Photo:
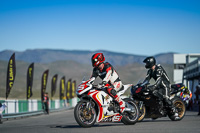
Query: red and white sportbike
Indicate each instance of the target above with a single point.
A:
(96, 105)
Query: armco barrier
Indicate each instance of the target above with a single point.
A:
(32, 113)
(22, 108)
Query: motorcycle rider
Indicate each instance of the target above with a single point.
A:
(109, 76)
(162, 86)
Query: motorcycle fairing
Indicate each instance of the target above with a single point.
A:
(138, 90)
(112, 118)
(83, 88)
(95, 95)
(101, 102)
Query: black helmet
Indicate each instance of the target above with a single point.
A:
(150, 61)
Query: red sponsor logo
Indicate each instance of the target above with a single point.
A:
(138, 90)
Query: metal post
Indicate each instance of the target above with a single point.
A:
(7, 107)
(27, 102)
(31, 105)
(22, 104)
(15, 106)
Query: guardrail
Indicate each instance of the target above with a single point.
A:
(32, 113)
(24, 108)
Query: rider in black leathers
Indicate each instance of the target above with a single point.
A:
(162, 86)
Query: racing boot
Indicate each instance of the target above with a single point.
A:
(121, 103)
(172, 107)
(112, 92)
(161, 108)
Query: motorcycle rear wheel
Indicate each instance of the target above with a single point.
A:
(84, 117)
(180, 107)
(130, 118)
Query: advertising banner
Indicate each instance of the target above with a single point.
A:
(29, 80)
(53, 85)
(44, 83)
(11, 72)
(62, 88)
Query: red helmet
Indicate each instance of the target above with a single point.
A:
(97, 59)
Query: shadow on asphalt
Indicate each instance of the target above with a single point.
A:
(157, 120)
(77, 126)
(65, 126)
(193, 115)
(106, 125)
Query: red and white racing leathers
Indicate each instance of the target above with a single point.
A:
(111, 80)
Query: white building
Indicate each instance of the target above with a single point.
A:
(179, 65)
(187, 70)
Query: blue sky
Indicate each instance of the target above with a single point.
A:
(144, 27)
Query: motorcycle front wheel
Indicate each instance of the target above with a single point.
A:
(142, 113)
(130, 117)
(84, 116)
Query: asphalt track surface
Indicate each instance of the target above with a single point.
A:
(64, 122)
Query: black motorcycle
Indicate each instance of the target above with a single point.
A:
(150, 106)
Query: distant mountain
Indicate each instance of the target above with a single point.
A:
(73, 64)
(80, 56)
(131, 73)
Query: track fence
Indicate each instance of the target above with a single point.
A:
(21, 108)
